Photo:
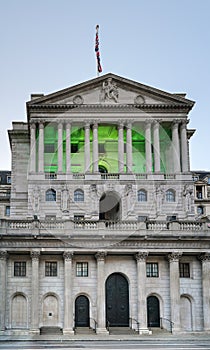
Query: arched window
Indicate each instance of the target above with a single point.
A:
(200, 210)
(170, 196)
(142, 196)
(79, 195)
(50, 195)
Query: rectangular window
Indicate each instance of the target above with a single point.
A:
(74, 147)
(79, 217)
(82, 269)
(49, 148)
(101, 148)
(7, 210)
(152, 270)
(50, 268)
(184, 270)
(20, 268)
(8, 179)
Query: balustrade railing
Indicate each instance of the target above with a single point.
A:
(106, 226)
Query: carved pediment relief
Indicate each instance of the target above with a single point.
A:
(111, 90)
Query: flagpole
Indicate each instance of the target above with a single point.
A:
(98, 60)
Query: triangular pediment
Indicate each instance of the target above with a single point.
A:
(111, 89)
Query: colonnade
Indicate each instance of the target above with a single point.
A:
(152, 137)
(141, 258)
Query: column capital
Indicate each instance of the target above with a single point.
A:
(3, 254)
(68, 255)
(175, 123)
(129, 123)
(35, 254)
(141, 256)
(60, 124)
(174, 256)
(204, 257)
(100, 256)
(184, 123)
(120, 124)
(156, 122)
(87, 125)
(148, 122)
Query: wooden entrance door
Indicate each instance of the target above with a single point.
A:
(117, 301)
(153, 312)
(82, 312)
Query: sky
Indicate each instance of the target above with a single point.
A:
(48, 45)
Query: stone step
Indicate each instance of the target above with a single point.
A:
(84, 330)
(121, 330)
(51, 330)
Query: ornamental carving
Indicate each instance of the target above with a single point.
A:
(141, 256)
(35, 254)
(100, 256)
(174, 256)
(139, 100)
(68, 255)
(109, 91)
(204, 257)
(78, 100)
(3, 255)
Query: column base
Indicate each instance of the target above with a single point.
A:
(102, 331)
(145, 331)
(34, 331)
(68, 331)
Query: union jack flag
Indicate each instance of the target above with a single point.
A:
(99, 68)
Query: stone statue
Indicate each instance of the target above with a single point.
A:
(65, 199)
(159, 198)
(94, 197)
(109, 91)
(36, 200)
(188, 194)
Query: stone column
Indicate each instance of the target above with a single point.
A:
(156, 145)
(120, 149)
(129, 160)
(41, 148)
(33, 147)
(95, 147)
(148, 146)
(35, 304)
(141, 292)
(68, 147)
(184, 147)
(101, 321)
(205, 260)
(174, 289)
(87, 148)
(176, 146)
(68, 302)
(60, 147)
(3, 289)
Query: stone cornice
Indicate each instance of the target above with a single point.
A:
(112, 106)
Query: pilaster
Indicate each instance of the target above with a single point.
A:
(68, 147)
(33, 147)
(205, 260)
(60, 147)
(35, 254)
(3, 289)
(101, 318)
(156, 136)
(68, 302)
(175, 289)
(141, 291)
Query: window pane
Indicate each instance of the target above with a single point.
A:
(20, 268)
(152, 270)
(82, 269)
(78, 196)
(51, 268)
(184, 270)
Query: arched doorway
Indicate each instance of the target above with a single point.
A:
(50, 311)
(109, 208)
(82, 317)
(19, 311)
(117, 301)
(153, 312)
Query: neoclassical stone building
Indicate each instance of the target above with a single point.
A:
(102, 230)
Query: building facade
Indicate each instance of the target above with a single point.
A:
(103, 230)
